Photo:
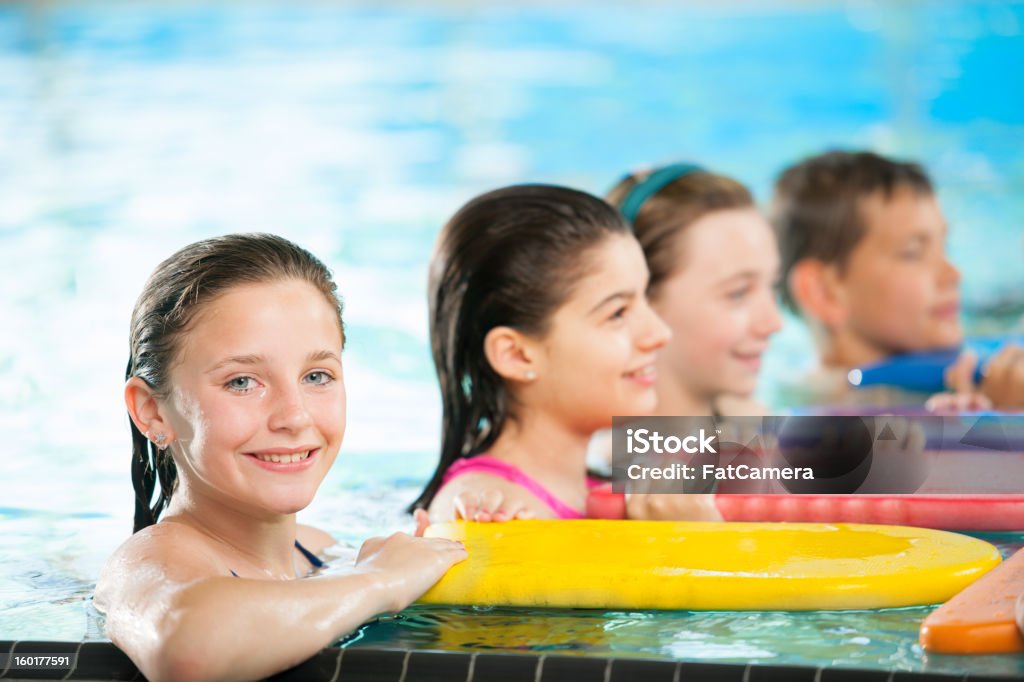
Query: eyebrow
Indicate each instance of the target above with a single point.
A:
(924, 234)
(627, 295)
(252, 359)
(739, 276)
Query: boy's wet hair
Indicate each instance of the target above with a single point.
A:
(666, 214)
(816, 209)
(172, 297)
(510, 257)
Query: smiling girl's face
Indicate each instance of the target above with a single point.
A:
(257, 404)
(720, 304)
(598, 355)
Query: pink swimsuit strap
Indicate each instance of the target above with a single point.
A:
(485, 464)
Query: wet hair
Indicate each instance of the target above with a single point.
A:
(173, 296)
(510, 257)
(816, 209)
(661, 218)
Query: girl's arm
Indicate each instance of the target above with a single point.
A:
(180, 616)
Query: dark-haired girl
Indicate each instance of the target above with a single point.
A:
(237, 403)
(541, 333)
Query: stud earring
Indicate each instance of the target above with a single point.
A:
(530, 375)
(159, 441)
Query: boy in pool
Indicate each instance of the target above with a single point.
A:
(862, 240)
(236, 398)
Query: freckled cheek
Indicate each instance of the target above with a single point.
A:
(328, 414)
(236, 422)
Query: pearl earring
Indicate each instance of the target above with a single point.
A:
(530, 375)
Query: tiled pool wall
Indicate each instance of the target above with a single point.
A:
(103, 661)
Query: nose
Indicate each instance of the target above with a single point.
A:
(654, 333)
(288, 412)
(949, 275)
(770, 319)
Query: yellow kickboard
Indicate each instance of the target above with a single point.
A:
(707, 566)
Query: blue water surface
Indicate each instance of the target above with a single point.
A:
(130, 129)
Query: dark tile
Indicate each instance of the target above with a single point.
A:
(573, 669)
(638, 670)
(366, 665)
(322, 667)
(925, 677)
(852, 675)
(437, 666)
(504, 668)
(40, 648)
(711, 672)
(781, 673)
(104, 661)
(990, 678)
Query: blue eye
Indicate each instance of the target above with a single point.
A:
(240, 384)
(319, 377)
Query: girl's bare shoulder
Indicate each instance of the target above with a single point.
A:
(160, 555)
(167, 541)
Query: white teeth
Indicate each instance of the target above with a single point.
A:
(284, 459)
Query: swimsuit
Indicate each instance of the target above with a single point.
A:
(485, 464)
(313, 559)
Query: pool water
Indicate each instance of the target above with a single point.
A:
(130, 129)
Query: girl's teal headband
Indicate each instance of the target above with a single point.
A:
(651, 185)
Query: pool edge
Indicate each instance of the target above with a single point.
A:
(102, 660)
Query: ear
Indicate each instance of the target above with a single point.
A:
(145, 411)
(511, 354)
(819, 292)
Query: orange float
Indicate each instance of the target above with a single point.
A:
(981, 618)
